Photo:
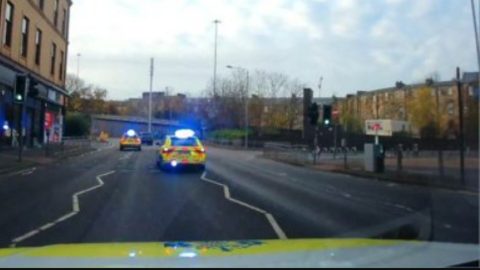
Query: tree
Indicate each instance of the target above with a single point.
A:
(274, 101)
(88, 99)
(77, 125)
(424, 116)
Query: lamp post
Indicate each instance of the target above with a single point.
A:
(246, 101)
(216, 22)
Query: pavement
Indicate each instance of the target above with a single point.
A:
(416, 170)
(108, 196)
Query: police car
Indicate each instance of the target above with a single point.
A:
(183, 149)
(130, 140)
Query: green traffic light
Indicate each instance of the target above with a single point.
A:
(18, 97)
(327, 122)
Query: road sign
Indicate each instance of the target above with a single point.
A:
(386, 128)
(335, 112)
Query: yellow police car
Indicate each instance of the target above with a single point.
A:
(183, 149)
(130, 140)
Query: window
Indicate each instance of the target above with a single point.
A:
(401, 113)
(38, 46)
(450, 108)
(64, 23)
(450, 91)
(176, 142)
(53, 54)
(41, 4)
(7, 34)
(55, 14)
(25, 33)
(60, 74)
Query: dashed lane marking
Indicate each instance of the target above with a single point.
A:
(75, 207)
(271, 219)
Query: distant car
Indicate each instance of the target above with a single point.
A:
(130, 141)
(147, 138)
(182, 150)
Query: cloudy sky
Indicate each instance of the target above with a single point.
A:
(353, 44)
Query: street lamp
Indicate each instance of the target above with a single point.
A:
(78, 71)
(246, 101)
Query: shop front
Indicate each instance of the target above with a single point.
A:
(42, 117)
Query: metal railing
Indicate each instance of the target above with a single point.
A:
(70, 146)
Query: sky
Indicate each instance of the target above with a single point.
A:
(353, 44)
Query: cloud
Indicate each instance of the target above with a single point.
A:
(353, 44)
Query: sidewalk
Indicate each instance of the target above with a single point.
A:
(31, 158)
(37, 157)
(421, 172)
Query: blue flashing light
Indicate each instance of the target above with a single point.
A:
(131, 133)
(184, 133)
(6, 127)
(174, 163)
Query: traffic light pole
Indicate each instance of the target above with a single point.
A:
(21, 112)
(315, 145)
(335, 142)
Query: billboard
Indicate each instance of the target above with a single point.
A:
(386, 128)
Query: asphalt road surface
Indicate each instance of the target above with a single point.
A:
(109, 196)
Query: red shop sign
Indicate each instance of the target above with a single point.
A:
(49, 120)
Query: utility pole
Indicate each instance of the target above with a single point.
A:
(78, 71)
(335, 127)
(152, 63)
(247, 122)
(462, 127)
(320, 85)
(216, 22)
(316, 143)
(475, 26)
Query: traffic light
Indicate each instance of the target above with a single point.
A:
(327, 115)
(34, 88)
(19, 91)
(313, 114)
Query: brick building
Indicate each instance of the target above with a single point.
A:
(402, 102)
(34, 41)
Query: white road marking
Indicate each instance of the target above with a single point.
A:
(392, 185)
(48, 226)
(448, 226)
(26, 236)
(75, 207)
(403, 208)
(346, 195)
(31, 170)
(282, 174)
(273, 222)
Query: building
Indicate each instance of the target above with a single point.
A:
(34, 41)
(419, 104)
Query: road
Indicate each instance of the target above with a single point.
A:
(109, 196)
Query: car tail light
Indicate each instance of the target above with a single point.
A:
(200, 151)
(167, 150)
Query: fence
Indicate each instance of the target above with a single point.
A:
(238, 143)
(70, 146)
(436, 168)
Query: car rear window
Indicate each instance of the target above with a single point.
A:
(190, 142)
(128, 137)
